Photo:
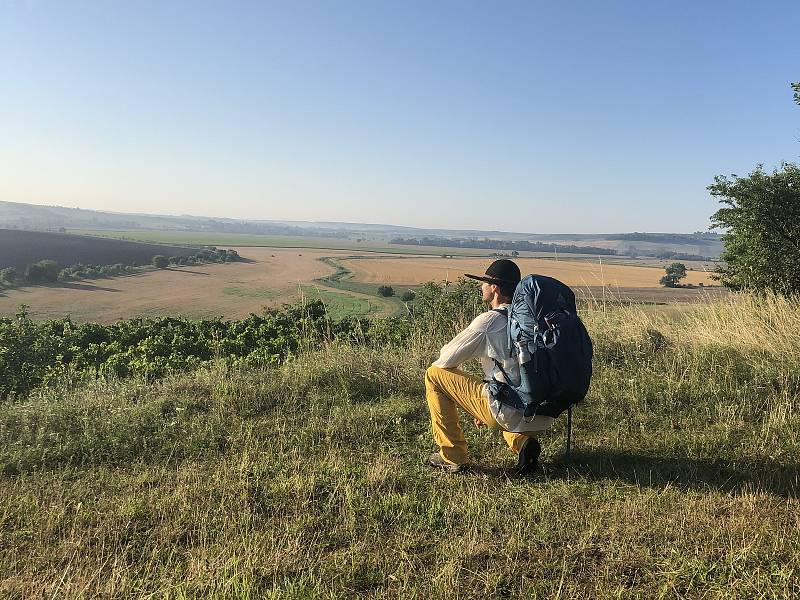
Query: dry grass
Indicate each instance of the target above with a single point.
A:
(410, 271)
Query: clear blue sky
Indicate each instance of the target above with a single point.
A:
(536, 116)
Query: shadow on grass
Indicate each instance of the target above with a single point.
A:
(184, 270)
(89, 287)
(718, 474)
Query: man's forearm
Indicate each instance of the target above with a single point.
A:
(459, 350)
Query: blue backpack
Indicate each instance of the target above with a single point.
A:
(553, 348)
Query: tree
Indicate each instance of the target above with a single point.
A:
(160, 261)
(44, 271)
(385, 291)
(761, 218)
(675, 272)
(408, 296)
(8, 275)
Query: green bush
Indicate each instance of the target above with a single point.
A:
(44, 271)
(8, 275)
(42, 353)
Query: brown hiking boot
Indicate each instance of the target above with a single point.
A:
(437, 462)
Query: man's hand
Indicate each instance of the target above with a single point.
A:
(478, 423)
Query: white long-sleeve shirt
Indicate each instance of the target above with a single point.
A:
(486, 339)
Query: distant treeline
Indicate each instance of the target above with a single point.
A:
(267, 229)
(698, 239)
(667, 255)
(512, 246)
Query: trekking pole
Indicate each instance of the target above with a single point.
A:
(569, 434)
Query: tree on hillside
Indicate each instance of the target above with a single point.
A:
(675, 272)
(44, 271)
(8, 275)
(160, 261)
(385, 291)
(762, 223)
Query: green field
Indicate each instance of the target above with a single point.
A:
(339, 305)
(342, 280)
(246, 292)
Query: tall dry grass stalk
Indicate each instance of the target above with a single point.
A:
(766, 324)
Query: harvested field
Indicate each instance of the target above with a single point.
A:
(278, 275)
(410, 271)
(232, 290)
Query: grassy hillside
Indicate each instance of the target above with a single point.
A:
(306, 479)
(20, 248)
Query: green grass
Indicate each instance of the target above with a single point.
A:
(245, 292)
(339, 305)
(307, 479)
(342, 280)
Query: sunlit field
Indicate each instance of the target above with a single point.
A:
(574, 273)
(270, 277)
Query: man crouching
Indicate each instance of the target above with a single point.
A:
(485, 338)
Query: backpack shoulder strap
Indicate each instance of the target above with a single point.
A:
(498, 366)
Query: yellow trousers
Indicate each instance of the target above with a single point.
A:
(446, 388)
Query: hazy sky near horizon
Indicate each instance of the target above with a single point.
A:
(518, 116)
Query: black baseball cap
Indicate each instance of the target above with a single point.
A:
(500, 272)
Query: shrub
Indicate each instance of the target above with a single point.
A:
(8, 275)
(408, 296)
(160, 261)
(44, 271)
(385, 291)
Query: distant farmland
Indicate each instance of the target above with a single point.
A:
(21, 248)
(578, 274)
(272, 276)
(269, 277)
